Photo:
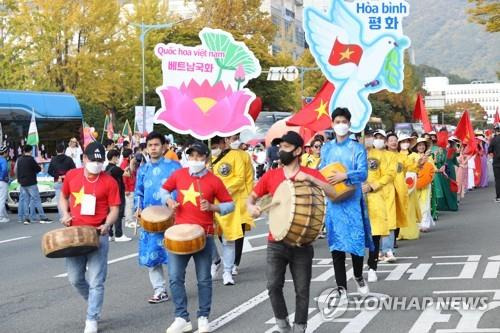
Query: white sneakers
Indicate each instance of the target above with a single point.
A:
(234, 271)
(389, 257)
(214, 268)
(90, 326)
(362, 286)
(4, 220)
(227, 279)
(372, 275)
(180, 325)
(203, 325)
(123, 238)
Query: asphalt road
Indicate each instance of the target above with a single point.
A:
(460, 257)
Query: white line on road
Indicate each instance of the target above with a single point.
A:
(238, 311)
(14, 239)
(133, 255)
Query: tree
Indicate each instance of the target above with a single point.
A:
(476, 111)
(487, 13)
(313, 79)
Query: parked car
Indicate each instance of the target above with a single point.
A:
(45, 187)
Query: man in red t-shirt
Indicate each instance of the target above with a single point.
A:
(279, 254)
(90, 197)
(197, 189)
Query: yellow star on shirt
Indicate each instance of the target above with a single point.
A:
(321, 110)
(346, 54)
(78, 197)
(190, 195)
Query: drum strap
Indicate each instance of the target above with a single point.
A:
(221, 156)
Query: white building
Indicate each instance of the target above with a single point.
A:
(441, 93)
(287, 15)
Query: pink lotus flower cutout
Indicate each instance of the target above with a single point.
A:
(204, 110)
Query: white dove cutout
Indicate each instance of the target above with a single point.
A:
(354, 82)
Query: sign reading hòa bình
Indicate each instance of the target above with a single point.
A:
(203, 91)
(359, 46)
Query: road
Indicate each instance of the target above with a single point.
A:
(460, 257)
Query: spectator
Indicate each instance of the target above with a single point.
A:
(273, 154)
(494, 150)
(170, 154)
(4, 183)
(29, 197)
(75, 152)
(108, 145)
(129, 174)
(112, 169)
(58, 167)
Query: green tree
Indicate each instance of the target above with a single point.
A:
(476, 111)
(487, 13)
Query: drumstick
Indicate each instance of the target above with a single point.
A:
(135, 226)
(270, 205)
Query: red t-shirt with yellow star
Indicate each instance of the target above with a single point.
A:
(188, 197)
(105, 189)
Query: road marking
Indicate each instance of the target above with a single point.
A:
(14, 239)
(133, 255)
(238, 311)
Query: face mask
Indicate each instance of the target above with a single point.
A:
(195, 166)
(94, 167)
(235, 145)
(216, 152)
(368, 142)
(405, 146)
(286, 157)
(341, 129)
(379, 143)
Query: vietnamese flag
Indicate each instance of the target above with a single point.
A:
(420, 113)
(442, 139)
(497, 117)
(315, 115)
(344, 54)
(465, 132)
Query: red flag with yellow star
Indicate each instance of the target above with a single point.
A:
(345, 53)
(465, 132)
(315, 115)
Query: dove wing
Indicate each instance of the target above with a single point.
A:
(342, 17)
(321, 35)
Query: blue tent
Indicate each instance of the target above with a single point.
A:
(18, 104)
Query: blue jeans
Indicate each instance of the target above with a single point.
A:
(157, 278)
(228, 254)
(388, 243)
(57, 189)
(29, 199)
(92, 288)
(177, 274)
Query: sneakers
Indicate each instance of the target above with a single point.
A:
(372, 275)
(203, 325)
(111, 238)
(321, 235)
(497, 200)
(26, 221)
(160, 298)
(123, 238)
(362, 286)
(90, 326)
(234, 271)
(180, 325)
(46, 220)
(131, 225)
(389, 257)
(214, 268)
(227, 278)
(283, 326)
(4, 220)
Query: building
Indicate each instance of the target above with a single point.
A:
(182, 8)
(441, 93)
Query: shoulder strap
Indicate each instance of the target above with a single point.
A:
(221, 156)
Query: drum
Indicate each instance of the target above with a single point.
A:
(185, 239)
(157, 218)
(342, 190)
(70, 242)
(297, 213)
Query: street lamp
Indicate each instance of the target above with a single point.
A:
(145, 28)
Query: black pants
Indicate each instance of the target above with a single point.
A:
(279, 255)
(496, 173)
(117, 226)
(373, 256)
(339, 267)
(239, 247)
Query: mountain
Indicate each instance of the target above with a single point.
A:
(443, 38)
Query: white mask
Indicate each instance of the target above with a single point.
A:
(405, 145)
(341, 129)
(195, 166)
(235, 144)
(94, 167)
(379, 143)
(216, 152)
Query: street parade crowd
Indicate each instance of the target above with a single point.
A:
(379, 188)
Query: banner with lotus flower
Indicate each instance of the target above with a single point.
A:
(203, 92)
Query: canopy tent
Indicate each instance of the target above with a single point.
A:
(18, 105)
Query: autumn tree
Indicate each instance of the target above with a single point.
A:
(487, 13)
(452, 113)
